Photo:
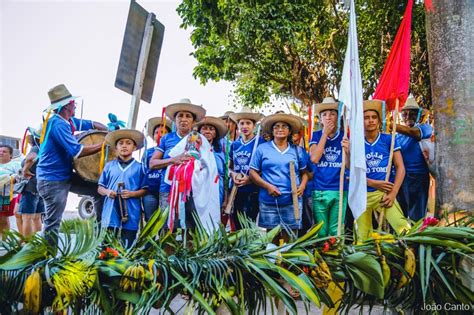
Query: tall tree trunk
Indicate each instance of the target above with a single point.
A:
(451, 56)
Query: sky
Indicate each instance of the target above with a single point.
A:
(78, 43)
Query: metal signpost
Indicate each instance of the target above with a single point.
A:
(139, 57)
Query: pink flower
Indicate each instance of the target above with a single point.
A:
(429, 221)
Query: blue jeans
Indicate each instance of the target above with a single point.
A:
(54, 194)
(31, 203)
(150, 204)
(413, 195)
(271, 215)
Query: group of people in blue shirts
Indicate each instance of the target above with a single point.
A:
(263, 173)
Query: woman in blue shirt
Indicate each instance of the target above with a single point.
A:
(270, 169)
(214, 129)
(184, 114)
(241, 152)
(153, 176)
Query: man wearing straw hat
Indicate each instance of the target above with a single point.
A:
(326, 153)
(381, 194)
(156, 127)
(241, 151)
(413, 195)
(58, 149)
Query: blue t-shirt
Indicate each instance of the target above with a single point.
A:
(168, 142)
(86, 124)
(274, 167)
(241, 155)
(377, 155)
(57, 151)
(153, 176)
(328, 171)
(411, 151)
(220, 162)
(134, 179)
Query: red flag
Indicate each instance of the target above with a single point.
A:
(395, 80)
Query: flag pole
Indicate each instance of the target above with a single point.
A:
(390, 160)
(341, 178)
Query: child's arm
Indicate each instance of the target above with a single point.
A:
(133, 193)
(106, 192)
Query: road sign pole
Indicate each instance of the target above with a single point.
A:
(141, 70)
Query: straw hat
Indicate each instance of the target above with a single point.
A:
(185, 105)
(112, 137)
(411, 104)
(375, 105)
(59, 97)
(226, 114)
(246, 113)
(292, 120)
(152, 123)
(327, 104)
(219, 124)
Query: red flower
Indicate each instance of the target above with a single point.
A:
(108, 250)
(326, 247)
(115, 253)
(306, 269)
(102, 255)
(429, 221)
(332, 240)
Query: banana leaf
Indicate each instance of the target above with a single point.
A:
(366, 273)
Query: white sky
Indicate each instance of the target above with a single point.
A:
(78, 43)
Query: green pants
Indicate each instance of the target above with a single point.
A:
(326, 209)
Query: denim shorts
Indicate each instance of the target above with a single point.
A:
(271, 215)
(31, 203)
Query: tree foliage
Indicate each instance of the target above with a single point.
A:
(296, 48)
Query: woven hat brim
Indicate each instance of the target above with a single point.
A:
(293, 121)
(375, 105)
(246, 115)
(411, 107)
(220, 126)
(138, 137)
(155, 121)
(174, 108)
(325, 106)
(62, 103)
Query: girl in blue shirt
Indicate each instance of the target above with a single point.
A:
(326, 155)
(153, 176)
(214, 129)
(246, 199)
(270, 169)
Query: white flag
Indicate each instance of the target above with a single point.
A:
(350, 94)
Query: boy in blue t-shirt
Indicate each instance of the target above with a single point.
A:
(123, 182)
(326, 154)
(413, 195)
(381, 194)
